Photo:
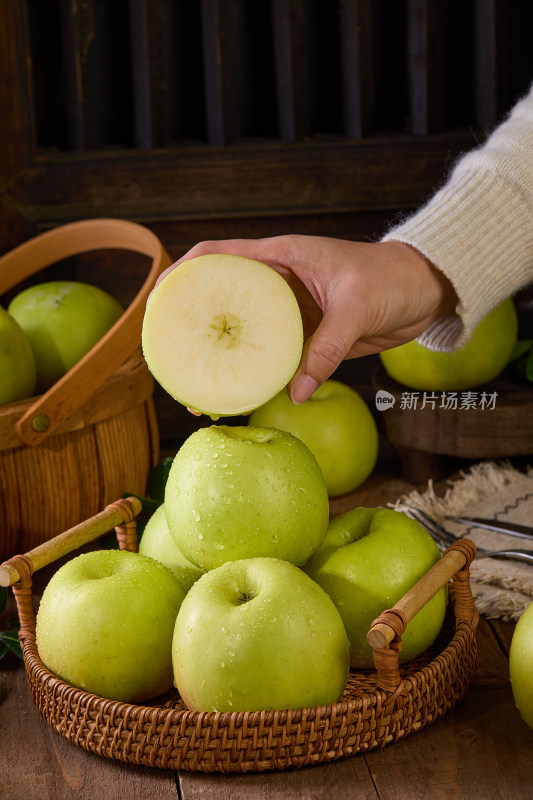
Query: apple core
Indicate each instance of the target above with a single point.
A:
(222, 334)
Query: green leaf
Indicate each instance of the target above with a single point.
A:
(10, 640)
(524, 366)
(4, 650)
(529, 367)
(155, 487)
(148, 504)
(157, 479)
(522, 346)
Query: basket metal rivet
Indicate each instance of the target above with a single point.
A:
(40, 423)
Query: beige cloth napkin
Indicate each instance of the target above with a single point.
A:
(501, 588)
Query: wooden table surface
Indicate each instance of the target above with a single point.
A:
(481, 749)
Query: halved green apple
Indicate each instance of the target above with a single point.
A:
(222, 334)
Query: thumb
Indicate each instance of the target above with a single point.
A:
(322, 354)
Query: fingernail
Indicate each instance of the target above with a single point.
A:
(303, 388)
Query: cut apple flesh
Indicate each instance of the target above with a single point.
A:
(222, 334)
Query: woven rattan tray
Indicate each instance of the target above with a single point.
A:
(378, 706)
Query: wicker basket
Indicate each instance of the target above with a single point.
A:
(92, 436)
(378, 706)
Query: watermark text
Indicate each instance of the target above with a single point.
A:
(448, 401)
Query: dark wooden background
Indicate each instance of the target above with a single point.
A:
(229, 118)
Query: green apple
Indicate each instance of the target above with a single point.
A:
(63, 320)
(157, 543)
(480, 360)
(521, 665)
(18, 375)
(258, 634)
(369, 558)
(336, 425)
(222, 334)
(105, 624)
(239, 492)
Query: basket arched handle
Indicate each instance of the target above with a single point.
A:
(386, 631)
(51, 408)
(17, 571)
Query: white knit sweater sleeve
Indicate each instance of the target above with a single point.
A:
(478, 228)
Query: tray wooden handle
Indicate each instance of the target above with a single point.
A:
(51, 408)
(386, 631)
(121, 512)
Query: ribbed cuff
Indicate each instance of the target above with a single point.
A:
(483, 246)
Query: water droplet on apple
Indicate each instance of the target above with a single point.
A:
(197, 456)
(189, 628)
(224, 629)
(196, 515)
(230, 486)
(310, 620)
(274, 539)
(231, 654)
(222, 665)
(199, 472)
(221, 446)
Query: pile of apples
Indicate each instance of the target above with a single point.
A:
(243, 595)
(46, 329)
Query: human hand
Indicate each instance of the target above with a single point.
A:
(356, 298)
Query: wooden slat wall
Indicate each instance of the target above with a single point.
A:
(219, 25)
(425, 23)
(356, 29)
(71, 26)
(307, 38)
(291, 68)
(490, 20)
(168, 111)
(147, 72)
